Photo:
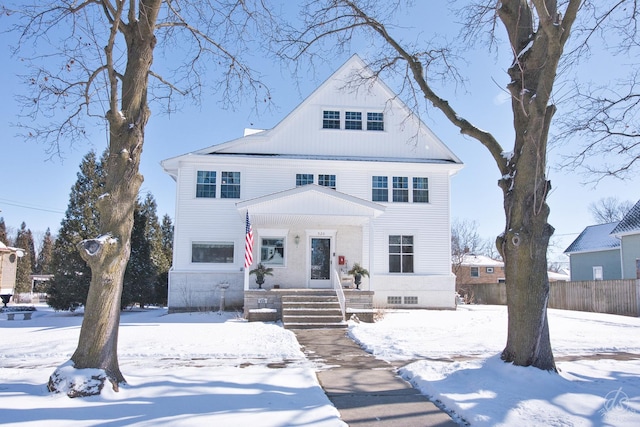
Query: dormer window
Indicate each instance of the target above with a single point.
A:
(375, 121)
(353, 120)
(330, 119)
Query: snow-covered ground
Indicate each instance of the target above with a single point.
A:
(210, 369)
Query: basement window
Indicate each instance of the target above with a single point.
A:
(411, 300)
(394, 300)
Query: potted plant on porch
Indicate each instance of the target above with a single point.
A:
(260, 271)
(357, 271)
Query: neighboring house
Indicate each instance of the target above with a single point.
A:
(475, 269)
(628, 231)
(8, 267)
(480, 269)
(350, 176)
(607, 251)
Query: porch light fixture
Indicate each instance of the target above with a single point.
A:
(296, 240)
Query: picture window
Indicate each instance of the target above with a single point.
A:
(212, 252)
(272, 251)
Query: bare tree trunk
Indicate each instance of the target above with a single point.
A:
(108, 254)
(537, 51)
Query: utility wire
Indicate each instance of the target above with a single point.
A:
(22, 205)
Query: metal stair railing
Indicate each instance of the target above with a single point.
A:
(337, 285)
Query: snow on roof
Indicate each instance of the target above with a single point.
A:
(473, 260)
(558, 276)
(630, 222)
(595, 238)
(4, 248)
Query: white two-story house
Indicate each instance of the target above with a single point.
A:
(350, 176)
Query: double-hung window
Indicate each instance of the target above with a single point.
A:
(327, 181)
(400, 254)
(379, 189)
(375, 121)
(353, 120)
(206, 184)
(420, 190)
(400, 189)
(230, 185)
(330, 119)
(304, 179)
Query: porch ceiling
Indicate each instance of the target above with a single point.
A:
(309, 204)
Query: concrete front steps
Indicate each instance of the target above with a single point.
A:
(312, 311)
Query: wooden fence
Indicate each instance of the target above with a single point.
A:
(598, 296)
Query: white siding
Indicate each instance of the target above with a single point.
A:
(268, 163)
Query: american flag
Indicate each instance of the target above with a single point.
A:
(248, 244)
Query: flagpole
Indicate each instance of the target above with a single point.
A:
(248, 250)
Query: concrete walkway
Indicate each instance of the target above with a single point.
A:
(365, 390)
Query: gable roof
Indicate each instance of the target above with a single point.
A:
(630, 223)
(595, 238)
(405, 138)
(309, 203)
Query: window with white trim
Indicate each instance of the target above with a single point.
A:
(400, 189)
(598, 272)
(206, 184)
(304, 179)
(379, 189)
(230, 185)
(375, 121)
(420, 190)
(353, 120)
(411, 300)
(212, 252)
(330, 119)
(327, 181)
(272, 250)
(400, 254)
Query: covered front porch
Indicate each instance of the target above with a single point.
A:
(310, 236)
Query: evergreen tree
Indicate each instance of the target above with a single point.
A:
(147, 258)
(43, 264)
(31, 249)
(24, 241)
(162, 284)
(70, 284)
(3, 232)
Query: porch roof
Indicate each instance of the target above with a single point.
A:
(309, 204)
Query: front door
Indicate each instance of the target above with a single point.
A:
(320, 262)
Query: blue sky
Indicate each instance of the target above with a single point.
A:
(35, 189)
